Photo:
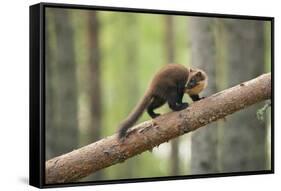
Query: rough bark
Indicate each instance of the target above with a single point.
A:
(204, 143)
(109, 151)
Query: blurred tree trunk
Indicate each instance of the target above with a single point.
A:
(50, 84)
(61, 84)
(221, 81)
(94, 84)
(244, 137)
(170, 40)
(170, 52)
(267, 34)
(132, 86)
(203, 55)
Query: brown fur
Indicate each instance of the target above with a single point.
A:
(168, 85)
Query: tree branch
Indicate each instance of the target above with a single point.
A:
(109, 151)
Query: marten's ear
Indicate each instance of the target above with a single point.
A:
(198, 74)
(191, 70)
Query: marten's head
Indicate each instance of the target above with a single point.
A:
(197, 81)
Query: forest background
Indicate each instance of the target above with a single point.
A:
(99, 64)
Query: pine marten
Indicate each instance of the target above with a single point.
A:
(168, 85)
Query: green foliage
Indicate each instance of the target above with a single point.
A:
(262, 111)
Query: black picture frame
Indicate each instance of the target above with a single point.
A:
(37, 93)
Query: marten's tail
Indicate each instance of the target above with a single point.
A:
(134, 115)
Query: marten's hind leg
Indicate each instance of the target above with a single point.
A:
(156, 102)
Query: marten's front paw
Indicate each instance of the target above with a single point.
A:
(184, 105)
(155, 115)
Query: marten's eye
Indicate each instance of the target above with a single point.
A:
(192, 82)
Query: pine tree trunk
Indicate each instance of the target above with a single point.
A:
(243, 146)
(132, 86)
(170, 53)
(62, 95)
(94, 81)
(203, 55)
(50, 84)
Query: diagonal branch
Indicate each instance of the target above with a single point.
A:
(109, 151)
